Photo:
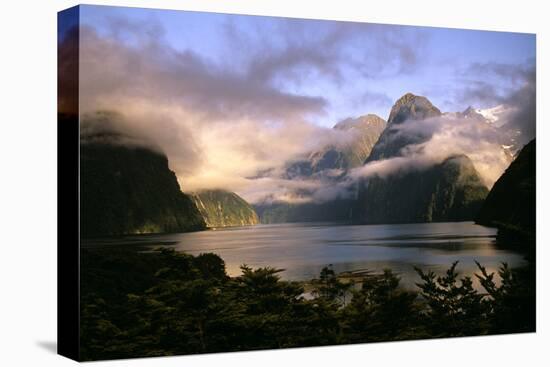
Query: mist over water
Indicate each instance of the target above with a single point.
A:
(303, 249)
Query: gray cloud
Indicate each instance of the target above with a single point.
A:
(511, 72)
(154, 71)
(523, 117)
(295, 49)
(476, 86)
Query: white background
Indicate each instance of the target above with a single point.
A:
(28, 183)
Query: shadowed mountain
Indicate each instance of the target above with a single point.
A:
(129, 189)
(511, 204)
(222, 208)
(449, 191)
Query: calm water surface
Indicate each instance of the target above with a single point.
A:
(303, 249)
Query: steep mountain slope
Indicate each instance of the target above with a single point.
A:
(130, 189)
(448, 191)
(222, 208)
(408, 108)
(511, 204)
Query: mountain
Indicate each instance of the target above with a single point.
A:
(328, 164)
(511, 204)
(494, 115)
(408, 108)
(224, 209)
(129, 189)
(364, 132)
(451, 190)
(495, 118)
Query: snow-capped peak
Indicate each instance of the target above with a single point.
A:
(494, 115)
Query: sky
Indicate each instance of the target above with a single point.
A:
(225, 96)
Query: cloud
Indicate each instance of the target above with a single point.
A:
(221, 122)
(516, 90)
(523, 101)
(216, 126)
(512, 72)
(153, 71)
(445, 136)
(294, 50)
(273, 189)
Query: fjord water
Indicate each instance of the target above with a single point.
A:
(304, 249)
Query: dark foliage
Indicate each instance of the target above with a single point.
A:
(136, 304)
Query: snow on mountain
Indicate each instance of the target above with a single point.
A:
(495, 115)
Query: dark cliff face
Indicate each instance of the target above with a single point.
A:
(449, 191)
(407, 109)
(129, 190)
(222, 208)
(511, 204)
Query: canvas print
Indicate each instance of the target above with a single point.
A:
(250, 182)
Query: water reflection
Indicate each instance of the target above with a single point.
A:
(303, 249)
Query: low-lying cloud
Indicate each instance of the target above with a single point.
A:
(442, 137)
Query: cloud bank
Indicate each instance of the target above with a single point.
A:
(219, 125)
(222, 122)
